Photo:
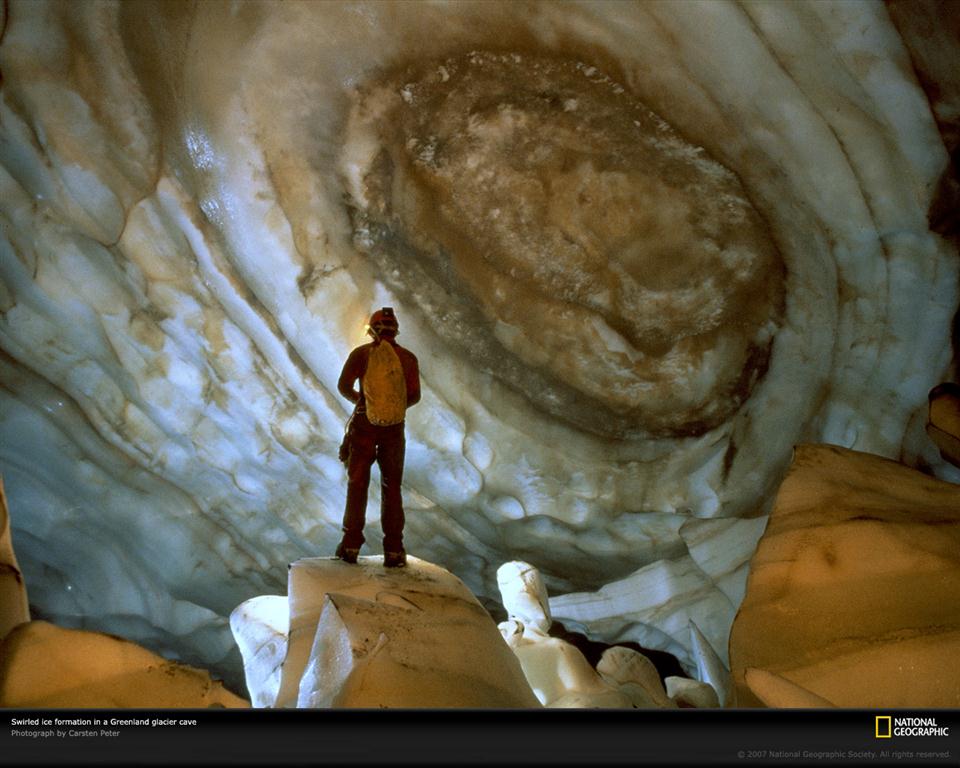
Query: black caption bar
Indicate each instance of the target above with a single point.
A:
(742, 737)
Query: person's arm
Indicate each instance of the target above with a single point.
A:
(352, 371)
(411, 372)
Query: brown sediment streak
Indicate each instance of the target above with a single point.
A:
(226, 267)
(4, 23)
(7, 568)
(566, 240)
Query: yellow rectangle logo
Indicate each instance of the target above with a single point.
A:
(884, 727)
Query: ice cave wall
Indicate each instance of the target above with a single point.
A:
(649, 249)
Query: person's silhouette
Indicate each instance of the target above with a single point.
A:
(389, 377)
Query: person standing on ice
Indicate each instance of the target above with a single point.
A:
(389, 377)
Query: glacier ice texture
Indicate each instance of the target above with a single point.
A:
(667, 242)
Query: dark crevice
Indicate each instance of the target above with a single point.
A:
(666, 663)
(944, 214)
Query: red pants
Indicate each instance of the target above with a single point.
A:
(385, 445)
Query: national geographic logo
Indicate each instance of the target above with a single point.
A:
(888, 726)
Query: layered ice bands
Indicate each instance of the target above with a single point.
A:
(561, 237)
(641, 251)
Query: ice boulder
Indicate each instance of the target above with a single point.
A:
(776, 691)
(691, 693)
(260, 626)
(367, 636)
(524, 595)
(854, 590)
(558, 672)
(636, 676)
(42, 665)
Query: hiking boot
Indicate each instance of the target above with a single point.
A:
(347, 554)
(395, 559)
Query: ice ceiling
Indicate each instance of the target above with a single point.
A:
(641, 250)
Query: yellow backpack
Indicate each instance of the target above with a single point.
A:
(384, 386)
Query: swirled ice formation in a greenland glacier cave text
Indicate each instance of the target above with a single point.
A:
(640, 250)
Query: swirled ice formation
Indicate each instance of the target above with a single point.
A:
(650, 287)
(641, 250)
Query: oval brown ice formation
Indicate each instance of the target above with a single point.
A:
(564, 238)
